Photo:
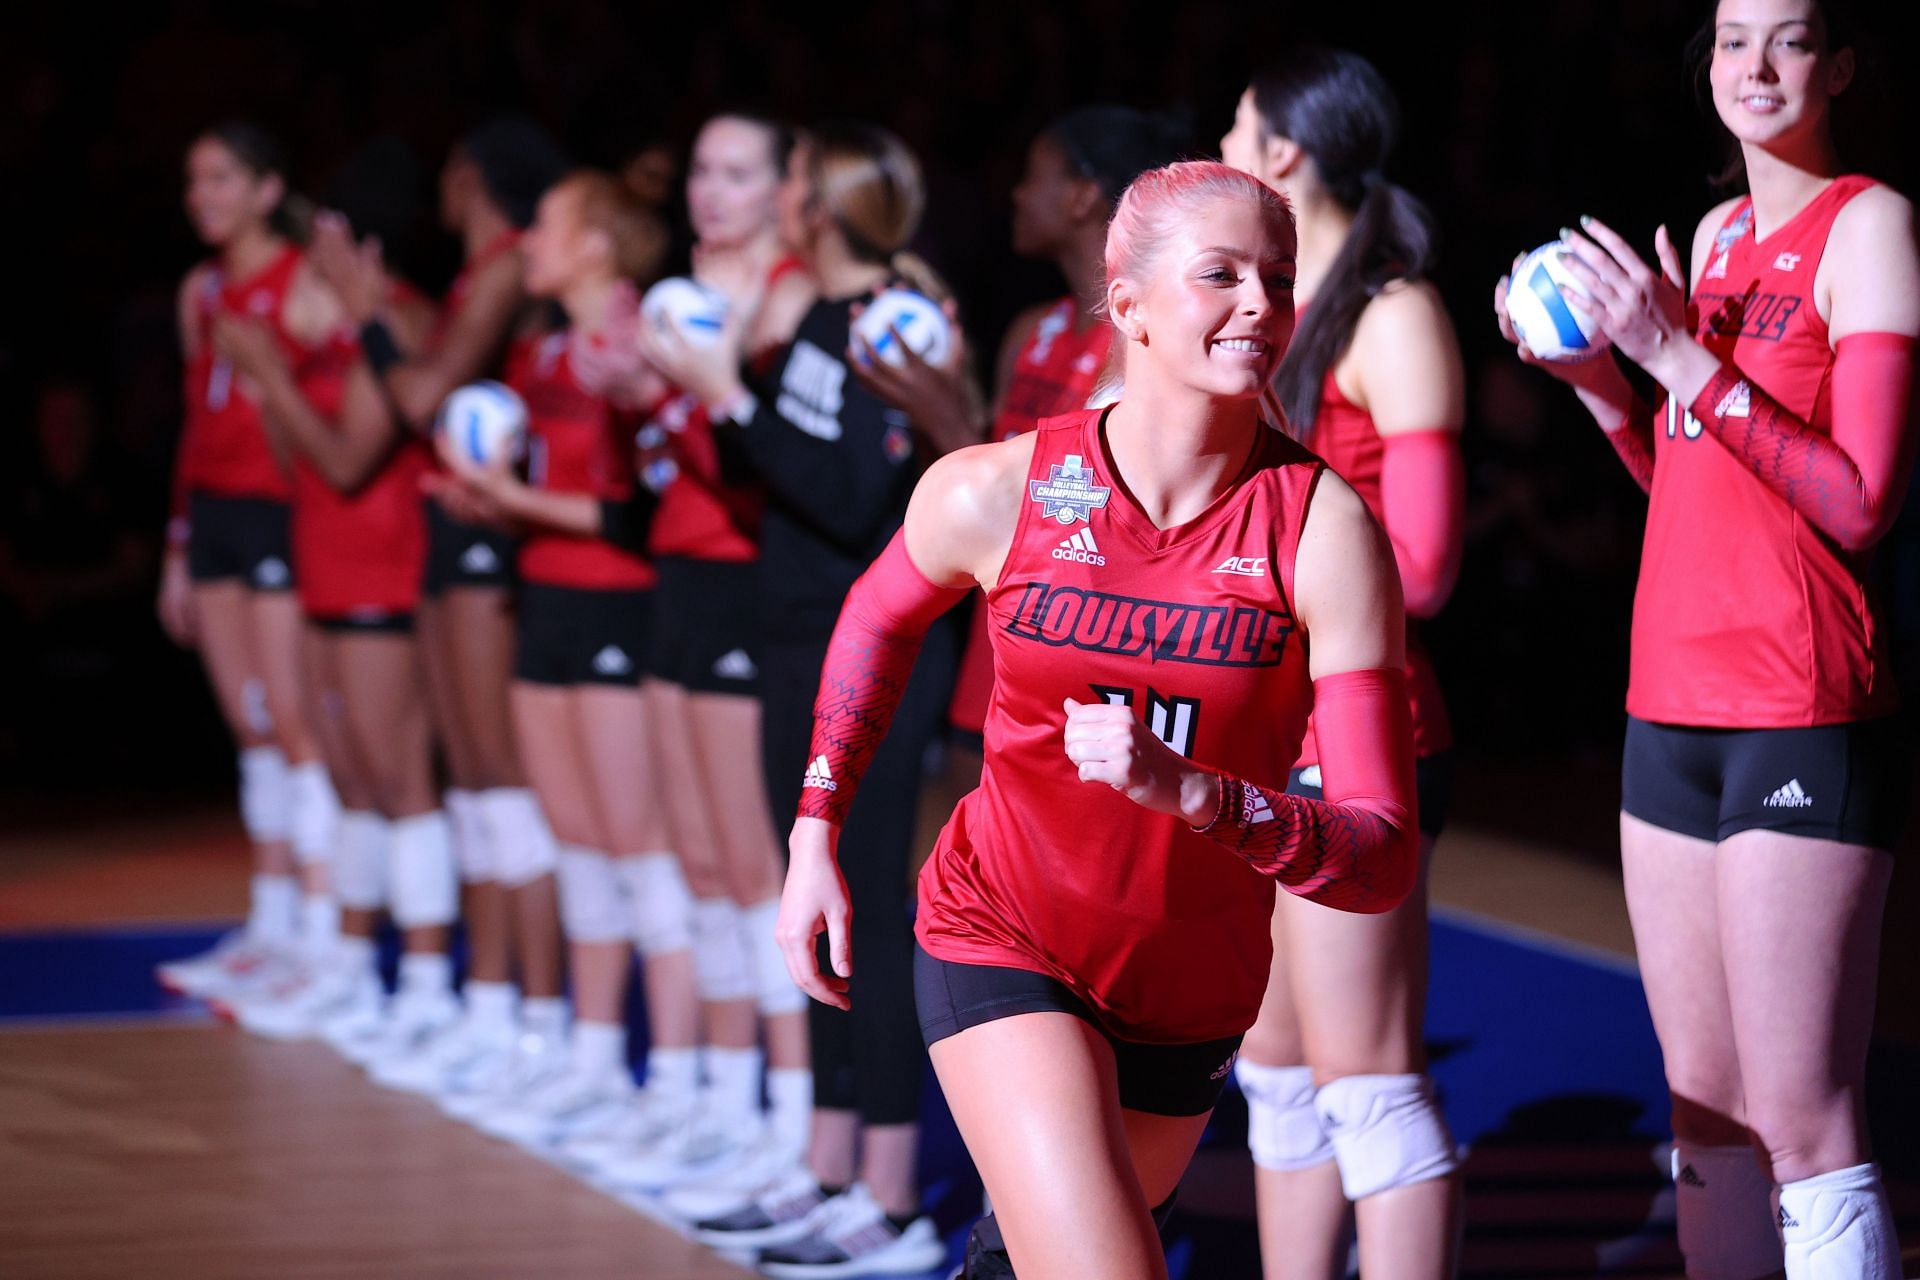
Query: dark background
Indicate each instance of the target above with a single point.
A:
(1519, 117)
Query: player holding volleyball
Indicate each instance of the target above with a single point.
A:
(1339, 1106)
(1763, 785)
(1093, 926)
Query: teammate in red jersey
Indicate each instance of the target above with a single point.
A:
(1094, 923)
(226, 588)
(1372, 383)
(1763, 785)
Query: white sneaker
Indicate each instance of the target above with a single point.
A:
(491, 1082)
(854, 1237)
(646, 1118)
(719, 1194)
(574, 1102)
(412, 1021)
(695, 1146)
(782, 1211)
(437, 1063)
(302, 1006)
(236, 960)
(350, 1030)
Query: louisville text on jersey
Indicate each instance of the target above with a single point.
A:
(1212, 635)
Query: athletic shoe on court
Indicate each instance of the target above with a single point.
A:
(571, 1103)
(302, 1007)
(442, 1061)
(783, 1211)
(236, 960)
(492, 1083)
(410, 1023)
(694, 1145)
(854, 1237)
(717, 1195)
(646, 1118)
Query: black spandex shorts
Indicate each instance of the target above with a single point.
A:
(1159, 1079)
(239, 538)
(367, 622)
(1843, 782)
(573, 636)
(1432, 784)
(464, 555)
(706, 626)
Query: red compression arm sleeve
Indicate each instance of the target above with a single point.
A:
(1848, 486)
(1423, 500)
(1358, 849)
(868, 662)
(1633, 441)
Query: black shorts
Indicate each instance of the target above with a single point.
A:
(1432, 784)
(464, 555)
(367, 622)
(573, 636)
(1843, 782)
(239, 538)
(1159, 1079)
(706, 626)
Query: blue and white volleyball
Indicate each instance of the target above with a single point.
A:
(696, 310)
(1551, 329)
(918, 320)
(485, 422)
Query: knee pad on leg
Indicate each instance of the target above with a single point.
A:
(313, 813)
(1283, 1123)
(472, 847)
(1723, 1212)
(266, 794)
(722, 969)
(591, 909)
(523, 846)
(360, 860)
(772, 985)
(660, 903)
(1838, 1226)
(425, 885)
(1387, 1132)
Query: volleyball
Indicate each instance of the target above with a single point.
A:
(917, 318)
(1551, 328)
(485, 421)
(697, 311)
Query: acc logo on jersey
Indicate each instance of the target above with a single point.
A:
(1069, 493)
(1245, 566)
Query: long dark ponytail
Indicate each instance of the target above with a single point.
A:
(1342, 114)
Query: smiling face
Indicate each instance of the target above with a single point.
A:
(1213, 310)
(1772, 75)
(223, 196)
(732, 182)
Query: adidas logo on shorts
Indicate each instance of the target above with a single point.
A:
(613, 661)
(479, 558)
(1688, 1178)
(1791, 796)
(735, 665)
(1080, 549)
(272, 572)
(819, 776)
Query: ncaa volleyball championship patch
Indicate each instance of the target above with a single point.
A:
(1069, 493)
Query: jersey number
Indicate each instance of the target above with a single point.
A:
(1679, 419)
(1172, 719)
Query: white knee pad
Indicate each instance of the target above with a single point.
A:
(660, 903)
(722, 969)
(313, 813)
(591, 909)
(1387, 1132)
(772, 984)
(360, 860)
(1283, 1124)
(1723, 1211)
(266, 794)
(424, 888)
(472, 843)
(523, 845)
(1838, 1226)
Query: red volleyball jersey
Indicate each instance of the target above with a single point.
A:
(1054, 373)
(1747, 616)
(1346, 440)
(223, 445)
(576, 443)
(1163, 932)
(463, 283)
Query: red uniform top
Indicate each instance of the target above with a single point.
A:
(1746, 616)
(1054, 373)
(359, 554)
(1346, 440)
(1162, 931)
(576, 443)
(463, 282)
(223, 445)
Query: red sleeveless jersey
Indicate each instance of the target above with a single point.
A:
(1746, 616)
(576, 443)
(223, 445)
(463, 283)
(1346, 440)
(1161, 931)
(356, 554)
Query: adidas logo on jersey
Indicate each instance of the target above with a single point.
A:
(1718, 271)
(1737, 403)
(735, 665)
(1688, 1178)
(613, 661)
(1080, 549)
(1257, 808)
(819, 776)
(1786, 262)
(479, 558)
(1791, 796)
(1245, 566)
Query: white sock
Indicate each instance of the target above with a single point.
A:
(673, 1073)
(599, 1047)
(544, 1016)
(356, 955)
(274, 913)
(733, 1080)
(1838, 1226)
(426, 975)
(491, 1004)
(790, 1104)
(319, 925)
